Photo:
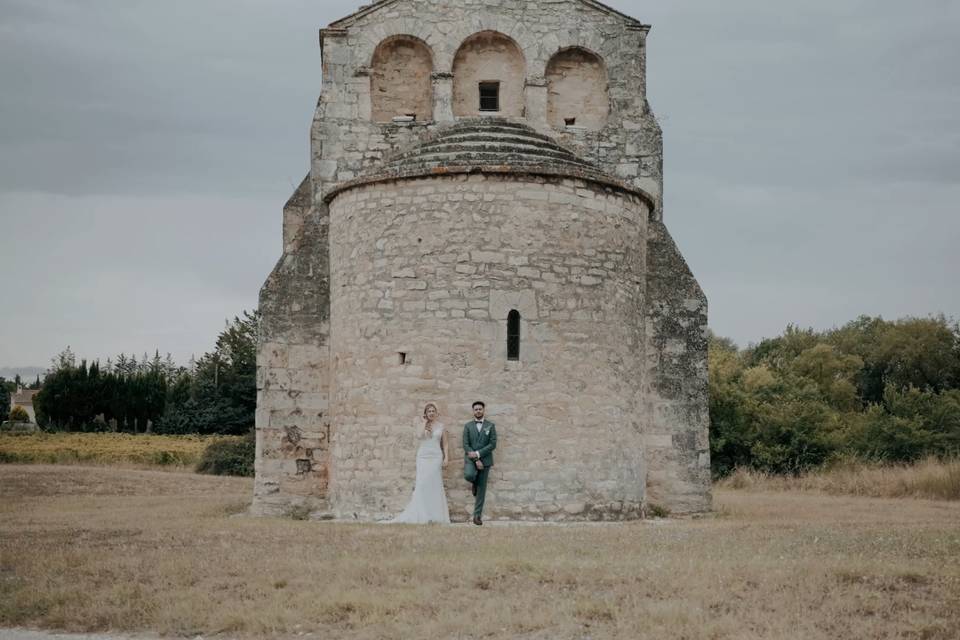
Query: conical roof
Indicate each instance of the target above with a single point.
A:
(484, 145)
(487, 142)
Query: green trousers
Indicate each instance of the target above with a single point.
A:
(481, 492)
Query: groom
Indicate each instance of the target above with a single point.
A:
(479, 441)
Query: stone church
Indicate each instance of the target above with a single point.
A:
(483, 220)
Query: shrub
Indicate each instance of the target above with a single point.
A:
(298, 512)
(19, 414)
(233, 457)
(657, 511)
(883, 436)
(792, 434)
(931, 479)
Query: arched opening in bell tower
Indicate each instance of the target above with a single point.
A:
(400, 83)
(489, 74)
(577, 90)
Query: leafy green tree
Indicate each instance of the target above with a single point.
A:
(780, 351)
(883, 436)
(862, 337)
(921, 353)
(912, 352)
(120, 366)
(729, 413)
(934, 419)
(217, 395)
(231, 458)
(171, 370)
(792, 433)
(4, 398)
(833, 372)
(66, 359)
(221, 395)
(872, 388)
(75, 398)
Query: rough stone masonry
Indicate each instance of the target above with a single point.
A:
(483, 172)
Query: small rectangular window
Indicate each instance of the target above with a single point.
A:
(513, 335)
(489, 96)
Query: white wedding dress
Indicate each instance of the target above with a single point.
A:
(429, 500)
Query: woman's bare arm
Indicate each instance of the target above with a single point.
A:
(445, 445)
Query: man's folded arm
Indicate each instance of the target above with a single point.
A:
(491, 445)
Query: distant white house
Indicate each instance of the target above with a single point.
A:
(24, 398)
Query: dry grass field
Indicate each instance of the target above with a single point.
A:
(932, 479)
(92, 549)
(105, 448)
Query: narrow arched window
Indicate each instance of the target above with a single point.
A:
(513, 335)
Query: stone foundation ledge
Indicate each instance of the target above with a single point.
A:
(324, 514)
(300, 509)
(574, 513)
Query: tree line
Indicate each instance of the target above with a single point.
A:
(215, 394)
(872, 389)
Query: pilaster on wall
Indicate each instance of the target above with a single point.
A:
(293, 376)
(536, 98)
(637, 42)
(339, 76)
(677, 438)
(295, 213)
(442, 97)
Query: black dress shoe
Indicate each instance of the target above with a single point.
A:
(473, 489)
(478, 522)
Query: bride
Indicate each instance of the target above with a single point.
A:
(429, 501)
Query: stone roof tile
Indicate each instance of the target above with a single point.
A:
(485, 145)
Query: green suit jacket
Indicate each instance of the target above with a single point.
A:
(483, 442)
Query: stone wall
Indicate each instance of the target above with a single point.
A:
(347, 141)
(295, 213)
(400, 80)
(431, 268)
(293, 375)
(577, 83)
(677, 438)
(489, 56)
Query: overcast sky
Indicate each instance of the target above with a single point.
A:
(146, 149)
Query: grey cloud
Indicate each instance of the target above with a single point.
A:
(146, 148)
